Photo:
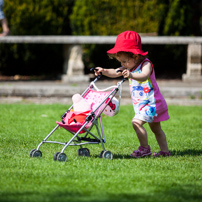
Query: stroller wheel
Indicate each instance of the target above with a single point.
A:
(107, 155)
(37, 153)
(30, 153)
(101, 153)
(61, 157)
(83, 152)
(55, 156)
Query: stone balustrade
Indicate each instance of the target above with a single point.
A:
(73, 64)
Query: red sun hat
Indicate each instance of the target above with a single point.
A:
(128, 41)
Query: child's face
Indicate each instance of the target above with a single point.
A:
(128, 62)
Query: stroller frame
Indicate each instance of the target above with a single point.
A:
(76, 140)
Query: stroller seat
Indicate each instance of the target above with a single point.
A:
(73, 121)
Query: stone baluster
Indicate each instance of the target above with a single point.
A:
(73, 67)
(194, 63)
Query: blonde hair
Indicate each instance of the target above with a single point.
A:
(128, 54)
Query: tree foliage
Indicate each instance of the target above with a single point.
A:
(35, 17)
(106, 17)
(181, 18)
(38, 17)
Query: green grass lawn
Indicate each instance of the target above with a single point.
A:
(177, 178)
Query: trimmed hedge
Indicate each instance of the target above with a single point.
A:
(106, 17)
(35, 17)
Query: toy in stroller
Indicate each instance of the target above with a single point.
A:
(80, 118)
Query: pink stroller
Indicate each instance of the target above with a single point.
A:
(80, 123)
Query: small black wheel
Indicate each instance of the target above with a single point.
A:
(107, 155)
(55, 156)
(79, 152)
(83, 152)
(37, 153)
(61, 157)
(86, 152)
(30, 153)
(101, 154)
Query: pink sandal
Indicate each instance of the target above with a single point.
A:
(161, 153)
(141, 152)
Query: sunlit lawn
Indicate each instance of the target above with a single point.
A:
(177, 178)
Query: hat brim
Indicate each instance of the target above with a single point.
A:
(134, 51)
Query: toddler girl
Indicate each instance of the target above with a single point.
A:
(149, 105)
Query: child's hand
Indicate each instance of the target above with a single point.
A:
(98, 70)
(126, 73)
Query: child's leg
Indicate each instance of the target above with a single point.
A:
(144, 148)
(141, 132)
(160, 136)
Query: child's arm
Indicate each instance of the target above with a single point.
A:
(143, 76)
(108, 72)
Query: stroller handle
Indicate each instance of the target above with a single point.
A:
(124, 79)
(97, 77)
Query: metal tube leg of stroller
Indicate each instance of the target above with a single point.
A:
(74, 137)
(101, 125)
(47, 137)
(100, 137)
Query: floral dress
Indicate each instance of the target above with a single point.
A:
(148, 102)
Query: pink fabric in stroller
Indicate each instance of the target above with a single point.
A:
(96, 98)
(93, 97)
(74, 121)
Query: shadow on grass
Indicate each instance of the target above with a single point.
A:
(181, 192)
(189, 152)
(116, 156)
(122, 156)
